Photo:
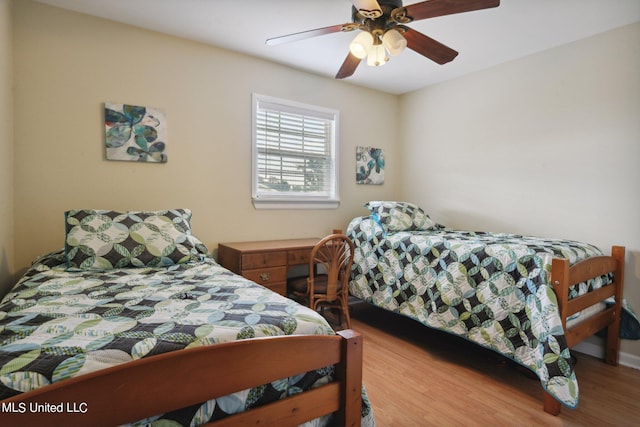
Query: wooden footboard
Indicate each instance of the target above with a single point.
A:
(158, 384)
(563, 276)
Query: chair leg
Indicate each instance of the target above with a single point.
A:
(345, 309)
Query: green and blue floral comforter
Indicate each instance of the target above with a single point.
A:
(57, 324)
(492, 289)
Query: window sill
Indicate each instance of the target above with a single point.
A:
(295, 204)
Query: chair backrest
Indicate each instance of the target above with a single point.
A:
(335, 254)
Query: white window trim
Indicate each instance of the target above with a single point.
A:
(284, 201)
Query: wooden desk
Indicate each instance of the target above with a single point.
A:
(266, 262)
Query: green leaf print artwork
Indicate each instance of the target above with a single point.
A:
(135, 133)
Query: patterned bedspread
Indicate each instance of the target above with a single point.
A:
(491, 289)
(58, 324)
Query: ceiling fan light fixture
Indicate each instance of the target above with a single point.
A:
(384, 33)
(377, 56)
(394, 42)
(361, 45)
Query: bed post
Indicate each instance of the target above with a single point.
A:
(550, 404)
(350, 372)
(560, 283)
(612, 350)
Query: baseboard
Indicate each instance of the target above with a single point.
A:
(596, 350)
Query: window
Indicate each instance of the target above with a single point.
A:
(294, 155)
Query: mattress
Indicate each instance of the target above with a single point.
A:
(57, 324)
(489, 288)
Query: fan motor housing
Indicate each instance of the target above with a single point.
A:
(386, 5)
(392, 3)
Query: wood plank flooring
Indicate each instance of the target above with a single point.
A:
(414, 375)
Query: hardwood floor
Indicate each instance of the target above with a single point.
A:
(415, 376)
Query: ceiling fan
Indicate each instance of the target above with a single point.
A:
(384, 33)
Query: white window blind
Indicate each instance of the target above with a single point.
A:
(294, 154)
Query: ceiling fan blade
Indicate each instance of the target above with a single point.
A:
(308, 34)
(348, 66)
(426, 46)
(433, 8)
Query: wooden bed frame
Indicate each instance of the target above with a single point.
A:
(158, 384)
(562, 277)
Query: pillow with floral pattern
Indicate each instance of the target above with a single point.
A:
(106, 239)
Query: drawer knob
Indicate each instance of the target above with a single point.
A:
(265, 277)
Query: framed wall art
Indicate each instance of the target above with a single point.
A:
(135, 133)
(369, 165)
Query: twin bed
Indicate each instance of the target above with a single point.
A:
(136, 304)
(527, 298)
(119, 326)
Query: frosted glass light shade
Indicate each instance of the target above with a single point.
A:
(377, 56)
(394, 42)
(361, 45)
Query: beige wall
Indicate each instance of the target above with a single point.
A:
(68, 65)
(547, 145)
(6, 147)
(510, 129)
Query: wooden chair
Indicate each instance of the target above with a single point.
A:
(327, 281)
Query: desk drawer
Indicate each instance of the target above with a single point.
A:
(298, 256)
(266, 259)
(267, 276)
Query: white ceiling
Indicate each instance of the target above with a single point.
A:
(484, 38)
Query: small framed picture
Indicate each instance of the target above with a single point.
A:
(369, 165)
